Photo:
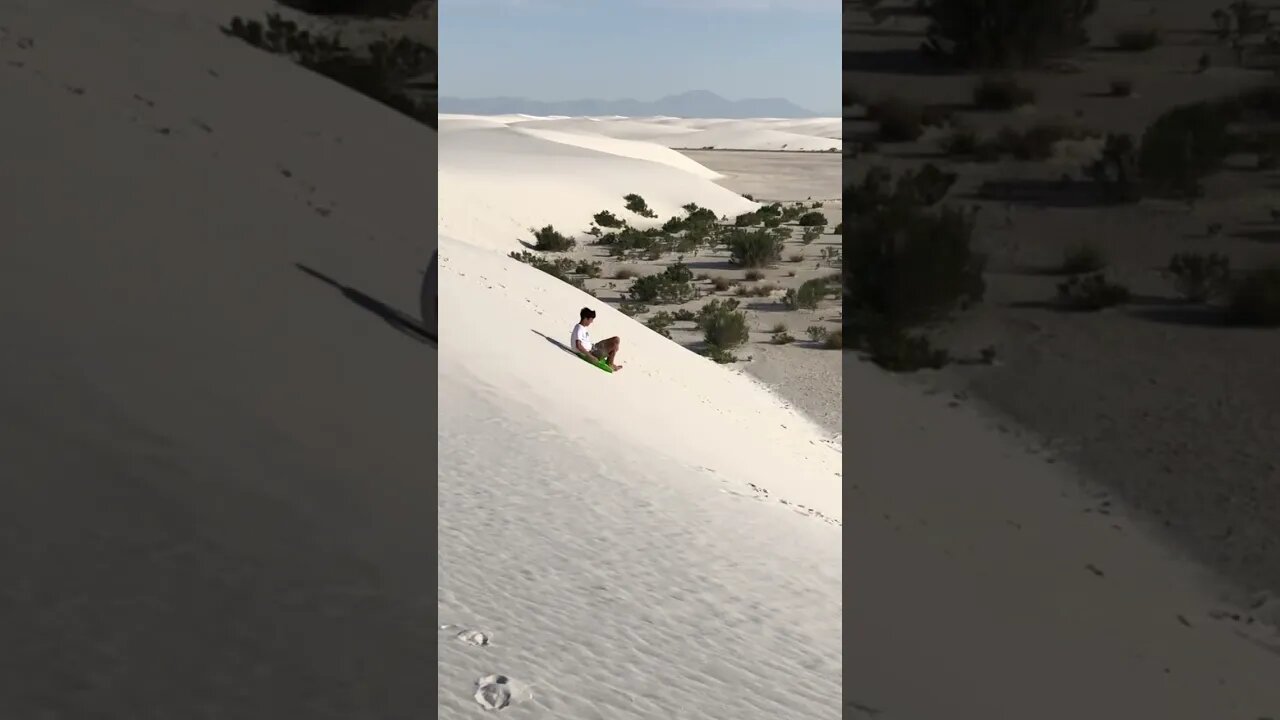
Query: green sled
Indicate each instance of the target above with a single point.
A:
(602, 364)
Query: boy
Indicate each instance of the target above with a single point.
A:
(580, 341)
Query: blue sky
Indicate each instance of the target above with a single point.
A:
(643, 49)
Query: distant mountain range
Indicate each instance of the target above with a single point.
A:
(695, 104)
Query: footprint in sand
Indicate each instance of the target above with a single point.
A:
(493, 692)
(473, 637)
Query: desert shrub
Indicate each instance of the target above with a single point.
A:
(1116, 170)
(1120, 87)
(782, 338)
(624, 274)
(805, 297)
(763, 290)
(1083, 257)
(772, 221)
(604, 218)
(960, 141)
(1254, 298)
(795, 258)
(721, 284)
(810, 234)
(723, 326)
(909, 265)
(589, 268)
(1001, 93)
(811, 219)
(780, 327)
(1182, 147)
(925, 186)
(548, 240)
(1091, 292)
(384, 71)
(1138, 39)
(637, 205)
(560, 268)
(754, 275)
(673, 225)
(1004, 33)
(838, 229)
(670, 287)
(899, 351)
(754, 249)
(747, 219)
(684, 315)
(817, 333)
(1198, 277)
(660, 322)
(898, 120)
(834, 340)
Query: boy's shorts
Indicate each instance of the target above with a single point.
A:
(599, 352)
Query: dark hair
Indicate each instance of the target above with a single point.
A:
(586, 313)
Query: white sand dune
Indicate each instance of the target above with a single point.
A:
(497, 183)
(217, 469)
(803, 135)
(604, 529)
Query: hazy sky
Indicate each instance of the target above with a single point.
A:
(644, 49)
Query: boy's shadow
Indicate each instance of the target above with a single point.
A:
(555, 342)
(402, 322)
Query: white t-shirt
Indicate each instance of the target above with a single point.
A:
(580, 335)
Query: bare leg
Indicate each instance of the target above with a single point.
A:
(612, 344)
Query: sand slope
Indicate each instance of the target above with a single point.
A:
(214, 467)
(498, 182)
(660, 542)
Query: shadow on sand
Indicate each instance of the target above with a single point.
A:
(406, 324)
(553, 341)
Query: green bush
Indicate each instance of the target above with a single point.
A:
(560, 268)
(811, 219)
(1138, 39)
(589, 268)
(1116, 170)
(1254, 298)
(747, 219)
(1004, 33)
(908, 265)
(1091, 292)
(807, 296)
(1001, 93)
(604, 218)
(723, 326)
(754, 248)
(810, 234)
(959, 142)
(637, 205)
(1182, 147)
(382, 72)
(817, 333)
(898, 120)
(548, 240)
(1120, 87)
(1198, 277)
(632, 309)
(1083, 257)
(670, 287)
(660, 322)
(899, 351)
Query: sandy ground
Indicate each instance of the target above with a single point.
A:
(804, 372)
(1175, 418)
(216, 466)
